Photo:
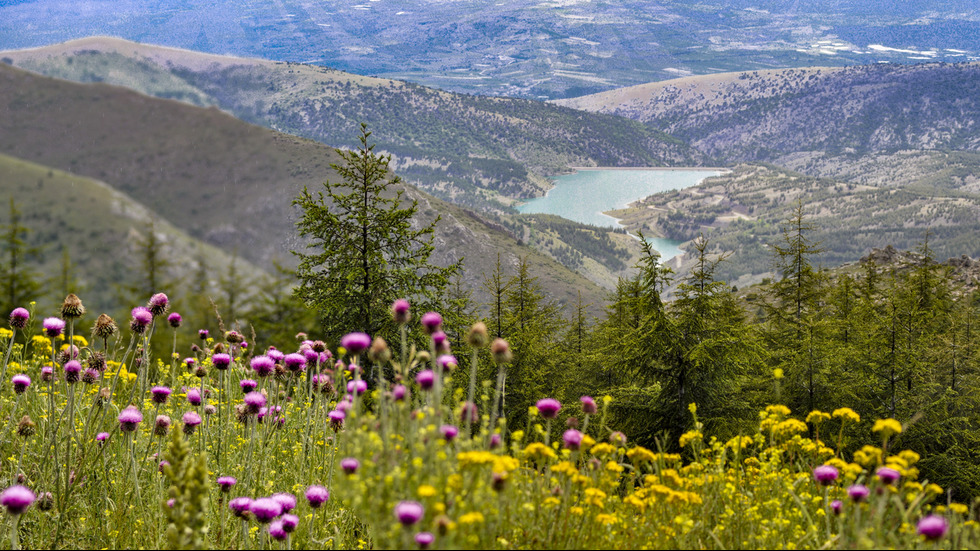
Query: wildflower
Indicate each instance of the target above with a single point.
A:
(858, 492)
(548, 407)
(887, 475)
(53, 327)
(289, 522)
(777, 373)
(836, 506)
(409, 512)
(25, 427)
(17, 499)
(336, 419)
(72, 307)
(162, 425)
(278, 531)
(221, 361)
(174, 320)
(89, 376)
(265, 509)
(194, 396)
(20, 382)
(690, 436)
(399, 392)
(355, 343)
(294, 362)
(263, 365)
(572, 439)
(203, 334)
(129, 418)
(357, 387)
(47, 373)
(158, 304)
(449, 432)
(349, 465)
(400, 311)
(160, 394)
(286, 500)
(933, 527)
(101, 437)
(825, 475)
(45, 501)
(426, 379)
(248, 385)
(19, 317)
(424, 539)
(141, 319)
(317, 496)
(473, 517)
(501, 351)
(469, 413)
(431, 321)
(104, 328)
(447, 361)
(588, 405)
(191, 420)
(494, 441)
(379, 352)
(234, 337)
(240, 506)
(441, 342)
(887, 427)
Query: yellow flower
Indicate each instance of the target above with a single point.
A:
(887, 427)
(475, 517)
(816, 417)
(640, 454)
(576, 511)
(959, 508)
(537, 450)
(847, 414)
(602, 449)
(693, 408)
(548, 502)
(606, 519)
(778, 410)
(5, 333)
(427, 491)
(595, 497)
(689, 437)
(777, 373)
(614, 467)
(566, 468)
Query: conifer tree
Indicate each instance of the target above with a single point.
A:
(364, 250)
(21, 284)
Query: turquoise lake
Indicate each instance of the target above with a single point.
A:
(584, 195)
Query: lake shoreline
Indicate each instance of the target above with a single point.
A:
(665, 168)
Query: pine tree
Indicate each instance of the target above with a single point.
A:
(364, 250)
(21, 284)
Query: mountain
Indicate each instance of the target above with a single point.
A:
(848, 112)
(547, 49)
(478, 151)
(218, 179)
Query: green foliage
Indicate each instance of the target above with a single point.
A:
(20, 282)
(366, 252)
(189, 489)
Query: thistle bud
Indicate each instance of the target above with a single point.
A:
(379, 352)
(104, 327)
(501, 351)
(26, 427)
(72, 307)
(477, 336)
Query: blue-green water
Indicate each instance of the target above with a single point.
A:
(584, 195)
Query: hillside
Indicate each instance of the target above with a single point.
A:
(220, 180)
(742, 212)
(101, 229)
(473, 150)
(765, 115)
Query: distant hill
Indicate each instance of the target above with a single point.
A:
(219, 179)
(473, 150)
(766, 115)
(101, 229)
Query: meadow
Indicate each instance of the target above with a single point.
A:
(108, 443)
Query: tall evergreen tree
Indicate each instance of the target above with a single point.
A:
(21, 284)
(364, 252)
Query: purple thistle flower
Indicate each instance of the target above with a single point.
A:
(357, 387)
(424, 539)
(254, 401)
(494, 441)
(194, 396)
(336, 419)
(294, 362)
(90, 376)
(278, 531)
(447, 361)
(141, 316)
(426, 379)
(311, 356)
(263, 366)
(355, 343)
(317, 496)
(240, 506)
(836, 506)
(101, 437)
(431, 321)
(47, 373)
(221, 361)
(825, 475)
(191, 420)
(887, 475)
(160, 467)
(160, 394)
(17, 499)
(399, 392)
(287, 501)
(933, 527)
(548, 407)
(53, 327)
(19, 317)
(174, 320)
(449, 432)
(572, 439)
(203, 334)
(20, 382)
(158, 304)
(858, 492)
(289, 522)
(345, 404)
(324, 357)
(400, 311)
(265, 509)
(129, 418)
(617, 438)
(441, 342)
(162, 425)
(409, 512)
(248, 385)
(588, 405)
(469, 412)
(349, 465)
